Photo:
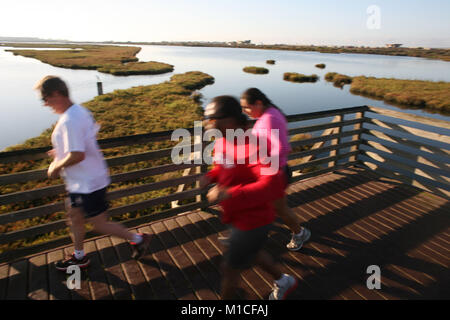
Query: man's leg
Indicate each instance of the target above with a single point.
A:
(140, 242)
(76, 222)
(102, 225)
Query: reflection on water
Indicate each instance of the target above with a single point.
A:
(23, 116)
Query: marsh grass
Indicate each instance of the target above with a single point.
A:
(339, 80)
(298, 77)
(256, 70)
(416, 93)
(165, 106)
(116, 60)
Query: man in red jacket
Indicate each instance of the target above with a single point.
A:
(245, 192)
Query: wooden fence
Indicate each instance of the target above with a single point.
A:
(339, 138)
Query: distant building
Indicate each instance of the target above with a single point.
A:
(393, 45)
(245, 42)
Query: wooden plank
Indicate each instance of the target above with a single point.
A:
(409, 130)
(118, 284)
(177, 282)
(380, 217)
(4, 271)
(18, 280)
(152, 186)
(98, 284)
(139, 286)
(325, 138)
(325, 126)
(357, 138)
(411, 144)
(189, 259)
(406, 177)
(332, 199)
(302, 154)
(38, 281)
(57, 279)
(425, 144)
(209, 270)
(330, 285)
(418, 156)
(31, 213)
(410, 117)
(323, 160)
(60, 224)
(324, 114)
(32, 194)
(420, 169)
(153, 202)
(336, 142)
(120, 177)
(152, 271)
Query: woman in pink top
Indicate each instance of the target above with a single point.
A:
(272, 124)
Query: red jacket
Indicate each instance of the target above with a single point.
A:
(252, 193)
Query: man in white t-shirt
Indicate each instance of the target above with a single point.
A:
(79, 161)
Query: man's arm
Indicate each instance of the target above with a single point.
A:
(71, 159)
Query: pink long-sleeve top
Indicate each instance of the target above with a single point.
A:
(272, 118)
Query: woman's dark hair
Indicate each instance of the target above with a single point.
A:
(251, 95)
(228, 106)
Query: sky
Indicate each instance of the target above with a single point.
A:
(413, 23)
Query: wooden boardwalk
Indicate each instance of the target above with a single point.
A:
(357, 219)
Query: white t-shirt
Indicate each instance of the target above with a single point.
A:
(76, 130)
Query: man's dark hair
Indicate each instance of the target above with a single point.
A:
(50, 84)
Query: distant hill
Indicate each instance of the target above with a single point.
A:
(28, 39)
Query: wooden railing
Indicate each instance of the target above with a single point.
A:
(410, 148)
(338, 138)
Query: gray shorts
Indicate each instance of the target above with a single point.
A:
(244, 246)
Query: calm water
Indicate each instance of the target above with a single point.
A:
(22, 115)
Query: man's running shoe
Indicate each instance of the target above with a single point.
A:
(140, 249)
(297, 241)
(72, 261)
(280, 292)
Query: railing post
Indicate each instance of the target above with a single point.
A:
(358, 126)
(336, 141)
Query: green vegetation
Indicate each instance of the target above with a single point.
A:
(116, 60)
(165, 106)
(339, 80)
(298, 77)
(321, 65)
(256, 70)
(422, 94)
(430, 95)
(270, 61)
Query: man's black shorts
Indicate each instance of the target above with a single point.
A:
(92, 203)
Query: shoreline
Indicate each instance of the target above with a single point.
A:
(442, 54)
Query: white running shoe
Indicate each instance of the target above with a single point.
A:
(280, 292)
(297, 241)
